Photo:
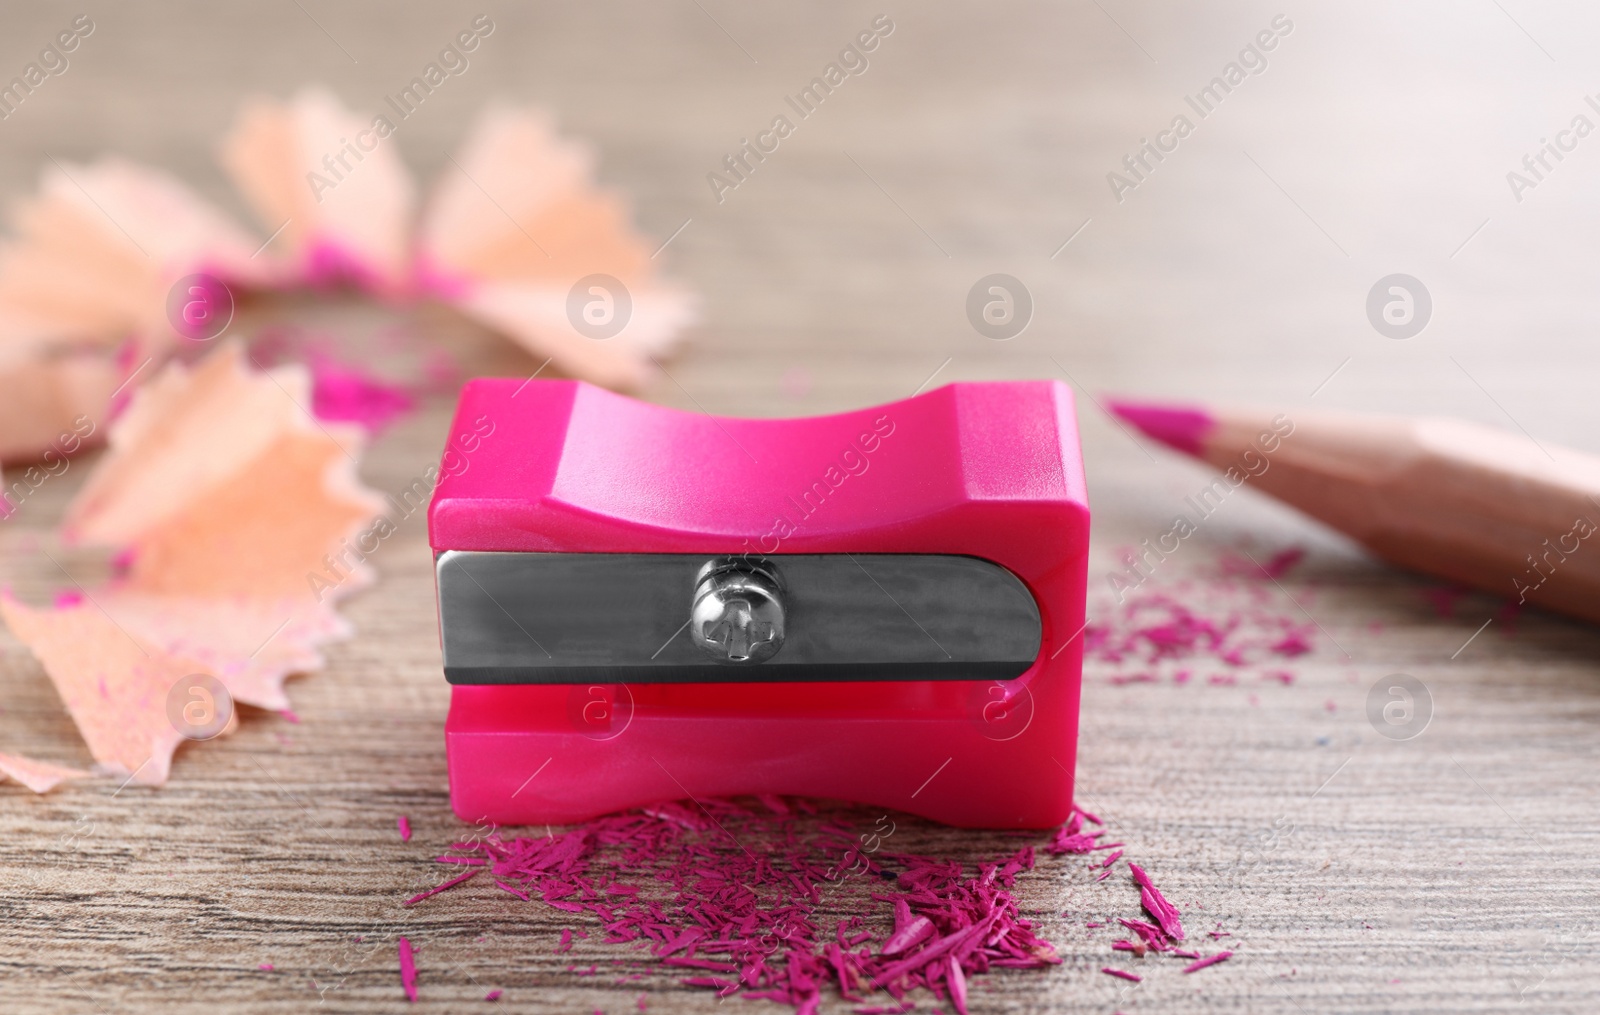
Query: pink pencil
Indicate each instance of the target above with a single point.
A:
(1468, 503)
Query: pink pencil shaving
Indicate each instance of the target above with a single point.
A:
(493, 995)
(1151, 935)
(405, 828)
(914, 932)
(1156, 904)
(1208, 961)
(408, 970)
(1065, 842)
(947, 923)
(348, 393)
(956, 980)
(519, 893)
(1135, 977)
(435, 891)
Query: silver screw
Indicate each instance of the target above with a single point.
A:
(738, 612)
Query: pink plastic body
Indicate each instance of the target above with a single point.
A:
(989, 470)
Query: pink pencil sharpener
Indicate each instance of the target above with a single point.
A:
(640, 604)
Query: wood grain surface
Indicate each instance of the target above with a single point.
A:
(1454, 872)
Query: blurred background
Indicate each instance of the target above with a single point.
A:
(1376, 140)
(1372, 139)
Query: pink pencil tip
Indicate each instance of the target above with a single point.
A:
(1183, 428)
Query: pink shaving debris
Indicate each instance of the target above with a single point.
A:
(266, 967)
(1246, 629)
(435, 891)
(288, 714)
(404, 824)
(1150, 935)
(1135, 977)
(1208, 961)
(730, 897)
(914, 933)
(514, 891)
(347, 393)
(493, 995)
(408, 970)
(681, 881)
(1068, 838)
(1165, 913)
(958, 985)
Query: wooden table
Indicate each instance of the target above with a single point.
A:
(1449, 873)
